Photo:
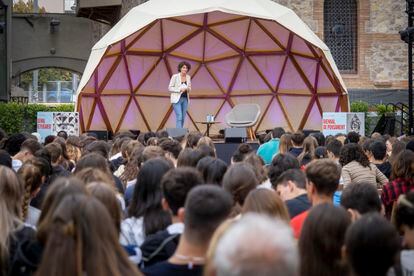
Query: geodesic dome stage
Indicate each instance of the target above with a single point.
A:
(240, 51)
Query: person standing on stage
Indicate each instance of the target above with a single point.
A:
(180, 87)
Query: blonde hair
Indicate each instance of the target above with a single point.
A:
(285, 143)
(11, 195)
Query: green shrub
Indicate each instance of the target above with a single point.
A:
(359, 106)
(16, 117)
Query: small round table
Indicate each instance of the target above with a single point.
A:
(208, 124)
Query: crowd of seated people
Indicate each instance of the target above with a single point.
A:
(156, 205)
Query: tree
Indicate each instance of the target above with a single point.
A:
(26, 7)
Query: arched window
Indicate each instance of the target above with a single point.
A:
(341, 32)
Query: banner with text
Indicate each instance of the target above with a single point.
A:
(343, 122)
(50, 123)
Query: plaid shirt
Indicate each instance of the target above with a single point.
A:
(392, 190)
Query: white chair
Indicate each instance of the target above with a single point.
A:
(244, 115)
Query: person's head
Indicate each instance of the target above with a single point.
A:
(371, 245)
(320, 138)
(241, 152)
(290, 184)
(147, 196)
(206, 207)
(321, 241)
(189, 157)
(148, 135)
(82, 239)
(239, 180)
(404, 218)
(175, 186)
(118, 143)
(353, 152)
(162, 134)
(309, 146)
(378, 150)
(410, 145)
(89, 175)
(62, 134)
(192, 139)
(323, 179)
(11, 195)
(285, 143)
(184, 67)
(55, 151)
(60, 188)
(376, 135)
(360, 198)
(49, 139)
(151, 152)
(297, 139)
(27, 150)
(321, 153)
(212, 170)
(257, 164)
(281, 163)
(333, 149)
(273, 250)
(107, 197)
(31, 176)
(397, 148)
(207, 141)
(267, 202)
(277, 132)
(93, 160)
(171, 147)
(403, 166)
(206, 150)
(99, 147)
(5, 159)
(352, 137)
(390, 142)
(13, 143)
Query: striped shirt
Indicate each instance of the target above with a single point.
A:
(354, 172)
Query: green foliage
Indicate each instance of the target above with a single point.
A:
(359, 106)
(382, 109)
(45, 75)
(16, 117)
(26, 7)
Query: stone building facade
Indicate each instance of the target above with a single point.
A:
(381, 63)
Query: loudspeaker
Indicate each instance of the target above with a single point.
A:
(177, 132)
(99, 134)
(308, 132)
(235, 135)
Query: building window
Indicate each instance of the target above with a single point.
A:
(341, 33)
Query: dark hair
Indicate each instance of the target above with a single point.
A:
(206, 150)
(352, 137)
(298, 137)
(295, 175)
(181, 64)
(150, 152)
(176, 184)
(397, 148)
(146, 200)
(281, 163)
(55, 151)
(206, 207)
(324, 174)
(353, 152)
(162, 134)
(14, 142)
(403, 165)
(321, 241)
(49, 139)
(320, 153)
(212, 170)
(147, 136)
(372, 245)
(404, 212)
(378, 149)
(172, 146)
(5, 159)
(362, 197)
(189, 157)
(93, 160)
(241, 152)
(277, 132)
(62, 134)
(192, 139)
(81, 239)
(320, 138)
(257, 165)
(239, 180)
(100, 147)
(31, 145)
(335, 147)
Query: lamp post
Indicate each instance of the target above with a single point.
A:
(408, 36)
